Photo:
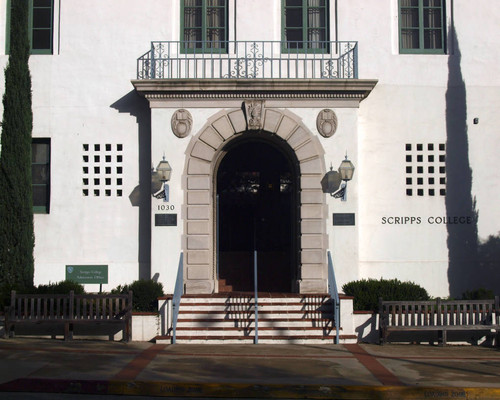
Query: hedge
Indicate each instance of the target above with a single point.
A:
(366, 292)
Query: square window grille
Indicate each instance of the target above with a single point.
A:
(425, 167)
(98, 179)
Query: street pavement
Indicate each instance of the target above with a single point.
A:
(357, 371)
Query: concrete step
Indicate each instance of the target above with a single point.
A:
(229, 318)
(250, 308)
(262, 313)
(263, 339)
(250, 300)
(246, 331)
(296, 324)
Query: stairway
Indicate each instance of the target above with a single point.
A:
(230, 318)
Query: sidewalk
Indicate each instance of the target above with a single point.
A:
(250, 371)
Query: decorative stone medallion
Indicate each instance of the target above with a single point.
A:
(182, 121)
(254, 110)
(326, 123)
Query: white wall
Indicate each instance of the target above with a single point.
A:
(76, 101)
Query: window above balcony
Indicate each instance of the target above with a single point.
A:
(304, 25)
(204, 26)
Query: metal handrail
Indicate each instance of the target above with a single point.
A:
(334, 295)
(249, 60)
(256, 294)
(178, 291)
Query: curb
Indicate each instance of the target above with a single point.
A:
(240, 390)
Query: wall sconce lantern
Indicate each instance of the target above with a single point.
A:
(163, 172)
(346, 170)
(332, 180)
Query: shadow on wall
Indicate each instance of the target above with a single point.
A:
(488, 267)
(472, 265)
(462, 238)
(138, 107)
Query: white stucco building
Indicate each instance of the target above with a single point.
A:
(251, 102)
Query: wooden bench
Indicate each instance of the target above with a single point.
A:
(439, 315)
(70, 310)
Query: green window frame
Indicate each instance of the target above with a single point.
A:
(305, 26)
(422, 27)
(40, 174)
(204, 26)
(40, 26)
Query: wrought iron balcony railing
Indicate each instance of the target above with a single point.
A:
(249, 60)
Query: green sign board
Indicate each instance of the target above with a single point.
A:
(87, 273)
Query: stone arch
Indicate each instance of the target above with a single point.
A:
(202, 155)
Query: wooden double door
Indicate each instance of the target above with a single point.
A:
(257, 196)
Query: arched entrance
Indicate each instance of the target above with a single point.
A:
(257, 194)
(284, 132)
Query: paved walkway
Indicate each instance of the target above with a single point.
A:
(250, 371)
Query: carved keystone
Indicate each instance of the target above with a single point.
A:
(254, 112)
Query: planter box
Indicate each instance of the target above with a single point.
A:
(145, 326)
(366, 326)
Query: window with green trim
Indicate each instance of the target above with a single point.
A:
(305, 25)
(40, 175)
(204, 25)
(422, 26)
(40, 26)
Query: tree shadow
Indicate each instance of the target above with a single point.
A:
(473, 263)
(462, 238)
(488, 264)
(138, 107)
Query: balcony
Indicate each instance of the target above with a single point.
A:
(249, 60)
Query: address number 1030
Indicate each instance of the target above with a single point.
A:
(166, 207)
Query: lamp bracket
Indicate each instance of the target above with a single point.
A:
(339, 193)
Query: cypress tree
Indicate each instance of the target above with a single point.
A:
(16, 198)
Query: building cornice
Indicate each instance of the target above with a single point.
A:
(158, 91)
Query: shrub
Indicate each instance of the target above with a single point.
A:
(63, 287)
(478, 294)
(145, 294)
(5, 290)
(367, 292)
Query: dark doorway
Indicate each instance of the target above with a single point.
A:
(257, 190)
